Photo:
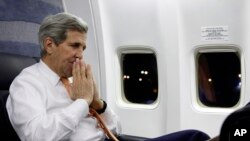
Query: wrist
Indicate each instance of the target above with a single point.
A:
(100, 106)
(97, 104)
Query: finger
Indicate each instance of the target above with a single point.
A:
(89, 72)
(77, 69)
(75, 73)
(83, 69)
(74, 70)
(96, 94)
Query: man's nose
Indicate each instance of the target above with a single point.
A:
(79, 54)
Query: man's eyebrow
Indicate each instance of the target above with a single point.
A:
(77, 44)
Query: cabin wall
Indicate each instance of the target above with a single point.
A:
(192, 16)
(172, 29)
(134, 25)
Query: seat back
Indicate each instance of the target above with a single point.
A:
(19, 24)
(11, 66)
(235, 123)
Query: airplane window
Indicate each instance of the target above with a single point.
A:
(219, 79)
(140, 78)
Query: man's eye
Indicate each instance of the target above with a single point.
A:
(75, 46)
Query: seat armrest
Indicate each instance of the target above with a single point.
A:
(124, 137)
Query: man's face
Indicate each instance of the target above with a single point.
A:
(64, 55)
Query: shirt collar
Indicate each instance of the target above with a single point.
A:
(49, 73)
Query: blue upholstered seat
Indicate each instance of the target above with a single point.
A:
(19, 25)
(11, 66)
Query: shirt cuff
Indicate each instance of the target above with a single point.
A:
(77, 110)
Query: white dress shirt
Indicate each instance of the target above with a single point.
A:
(40, 109)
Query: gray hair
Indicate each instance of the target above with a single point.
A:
(56, 27)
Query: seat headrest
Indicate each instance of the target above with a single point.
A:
(10, 66)
(239, 119)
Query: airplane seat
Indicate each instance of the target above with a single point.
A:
(125, 137)
(233, 126)
(19, 24)
(11, 66)
(6, 129)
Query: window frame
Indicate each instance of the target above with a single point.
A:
(122, 100)
(217, 49)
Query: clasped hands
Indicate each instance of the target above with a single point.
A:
(84, 86)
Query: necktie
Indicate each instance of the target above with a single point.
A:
(66, 84)
(92, 112)
(102, 124)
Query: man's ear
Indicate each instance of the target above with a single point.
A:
(49, 45)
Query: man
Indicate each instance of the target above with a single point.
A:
(40, 106)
